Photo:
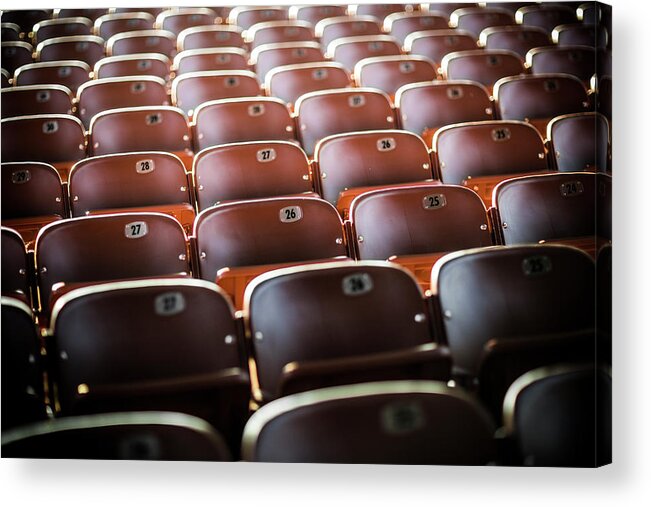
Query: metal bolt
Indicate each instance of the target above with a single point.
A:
(202, 255)
(360, 239)
(229, 339)
(339, 241)
(258, 335)
(483, 227)
(419, 317)
(447, 314)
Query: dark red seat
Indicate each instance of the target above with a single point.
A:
(17, 270)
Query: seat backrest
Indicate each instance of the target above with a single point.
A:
(109, 247)
(416, 422)
(127, 180)
(511, 292)
(108, 25)
(31, 189)
(26, 19)
(418, 220)
(194, 88)
(15, 54)
(210, 36)
(61, 27)
(147, 64)
(269, 56)
(142, 41)
(579, 61)
(388, 73)
(68, 73)
(272, 32)
(178, 19)
(580, 141)
(250, 170)
(242, 119)
(207, 59)
(377, 10)
(86, 48)
(350, 50)
(43, 138)
(546, 207)
(327, 112)
(36, 99)
(484, 66)
(91, 14)
(315, 13)
(336, 27)
(378, 157)
(435, 44)
(267, 231)
(9, 32)
(519, 39)
(544, 16)
(118, 92)
(161, 128)
(579, 34)
(331, 311)
(246, 16)
(488, 148)
(15, 266)
(475, 19)
(401, 24)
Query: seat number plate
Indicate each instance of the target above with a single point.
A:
(169, 303)
(357, 284)
(135, 230)
(434, 201)
(290, 214)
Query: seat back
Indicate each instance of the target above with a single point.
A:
(579, 34)
(346, 26)
(209, 59)
(91, 14)
(272, 32)
(270, 56)
(16, 269)
(246, 16)
(579, 61)
(108, 25)
(401, 24)
(544, 16)
(580, 141)
(86, 48)
(485, 66)
(210, 36)
(142, 41)
(475, 19)
(350, 50)
(36, 99)
(177, 20)
(378, 11)
(141, 64)
(69, 73)
(61, 27)
(315, 13)
(435, 44)
(388, 73)
(15, 54)
(26, 19)
(31, 189)
(519, 39)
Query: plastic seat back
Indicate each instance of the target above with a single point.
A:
(435, 44)
(519, 39)
(86, 48)
(36, 99)
(580, 142)
(69, 73)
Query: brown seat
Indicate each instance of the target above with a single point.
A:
(481, 154)
(315, 13)
(4, 75)
(269, 56)
(605, 97)
(166, 436)
(181, 351)
(360, 321)
(485, 66)
(273, 32)
(210, 36)
(246, 16)
(91, 14)
(579, 61)
(350, 162)
(388, 73)
(178, 19)
(412, 423)
(423, 108)
(61, 27)
(85, 48)
(68, 73)
(580, 34)
(242, 119)
(379, 10)
(447, 8)
(142, 41)
(546, 17)
(142, 181)
(57, 139)
(250, 170)
(26, 19)
(36, 99)
(15, 54)
(475, 19)
(589, 13)
(350, 50)
(101, 95)
(538, 99)
(519, 39)
(209, 59)
(32, 196)
(108, 25)
(327, 112)
(289, 82)
(109, 247)
(435, 44)
(401, 24)
(336, 27)
(508, 293)
(580, 142)
(9, 32)
(414, 226)
(16, 268)
(140, 64)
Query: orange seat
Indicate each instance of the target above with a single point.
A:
(210, 36)
(140, 64)
(208, 59)
(246, 16)
(178, 19)
(108, 25)
(401, 24)
(272, 32)
(142, 41)
(435, 44)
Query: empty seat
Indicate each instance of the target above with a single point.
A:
(178, 19)
(555, 208)
(194, 88)
(333, 28)
(32, 196)
(180, 351)
(272, 32)
(166, 436)
(350, 163)
(423, 108)
(61, 27)
(579, 61)
(15, 54)
(269, 56)
(580, 142)
(68, 73)
(485, 66)
(579, 34)
(108, 25)
(446, 8)
(247, 16)
(519, 39)
(435, 44)
(85, 48)
(16, 268)
(91, 14)
(211, 36)
(248, 236)
(367, 321)
(538, 99)
(26, 19)
(315, 13)
(57, 139)
(589, 13)
(414, 226)
(36, 99)
(22, 370)
(401, 24)
(480, 154)
(154, 11)
(414, 422)
(244, 119)
(289, 82)
(108, 247)
(511, 293)
(350, 50)
(141, 64)
(10, 32)
(544, 16)
(111, 93)
(327, 112)
(476, 19)
(142, 41)
(561, 416)
(379, 11)
(207, 59)
(143, 181)
(250, 170)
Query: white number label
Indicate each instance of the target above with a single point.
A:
(135, 230)
(231, 82)
(81, 47)
(402, 418)
(50, 127)
(223, 58)
(536, 265)
(138, 88)
(299, 53)
(43, 96)
(222, 36)
(454, 92)
(406, 67)
(434, 201)
(151, 41)
(357, 284)
(374, 46)
(266, 155)
(144, 65)
(22, 176)
(64, 71)
(169, 303)
(153, 119)
(502, 134)
(291, 214)
(356, 100)
(144, 166)
(256, 110)
(386, 144)
(320, 74)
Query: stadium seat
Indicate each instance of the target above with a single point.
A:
(142, 41)
(484, 66)
(91, 14)
(208, 59)
(245, 17)
(414, 422)
(560, 416)
(154, 11)
(279, 230)
(243, 119)
(315, 13)
(167, 355)
(142, 181)
(32, 196)
(16, 268)
(580, 142)
(379, 10)
(273, 32)
(61, 27)
(544, 16)
(69, 73)
(101, 95)
(108, 25)
(481, 154)
(176, 20)
(141, 64)
(589, 13)
(336, 27)
(58, 139)
(26, 19)
(327, 112)
(10, 32)
(381, 330)
(211, 36)
(510, 6)
(578, 61)
(519, 39)
(435, 44)
(401, 24)
(108, 247)
(15, 54)
(350, 50)
(165, 436)
(36, 99)
(250, 170)
(85, 48)
(289, 82)
(605, 97)
(270, 56)
(423, 108)
(476, 19)
(446, 8)
(580, 34)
